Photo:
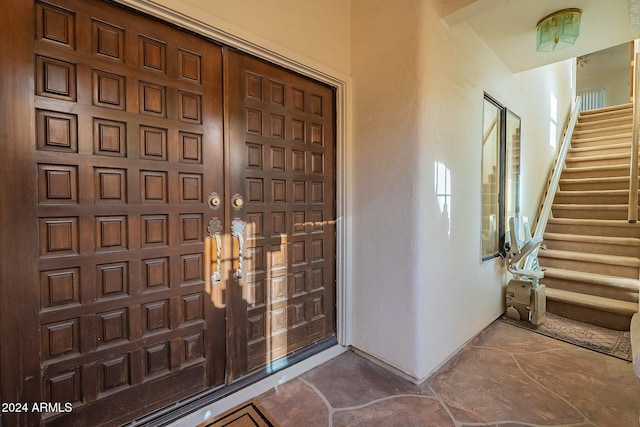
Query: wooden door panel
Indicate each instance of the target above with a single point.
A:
(127, 142)
(113, 131)
(282, 162)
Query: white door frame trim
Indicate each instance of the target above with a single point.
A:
(262, 48)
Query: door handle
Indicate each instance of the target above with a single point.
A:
(237, 231)
(215, 228)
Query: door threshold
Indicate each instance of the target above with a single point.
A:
(198, 408)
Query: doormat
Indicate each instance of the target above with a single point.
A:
(607, 341)
(249, 414)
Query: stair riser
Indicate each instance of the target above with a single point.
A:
(618, 214)
(603, 124)
(604, 199)
(588, 315)
(585, 162)
(580, 134)
(490, 188)
(591, 117)
(593, 248)
(623, 230)
(582, 185)
(489, 200)
(590, 289)
(600, 150)
(588, 267)
(586, 142)
(593, 130)
(622, 171)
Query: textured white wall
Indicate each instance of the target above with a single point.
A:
(530, 93)
(420, 291)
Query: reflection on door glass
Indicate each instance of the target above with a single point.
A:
(442, 184)
(500, 174)
(490, 177)
(512, 167)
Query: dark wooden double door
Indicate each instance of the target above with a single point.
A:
(167, 213)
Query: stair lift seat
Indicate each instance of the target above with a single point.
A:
(525, 296)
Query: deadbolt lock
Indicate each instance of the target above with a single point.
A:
(214, 201)
(237, 201)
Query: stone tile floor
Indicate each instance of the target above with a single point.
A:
(507, 377)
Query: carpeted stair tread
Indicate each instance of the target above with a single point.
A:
(600, 171)
(621, 146)
(606, 211)
(612, 129)
(626, 308)
(622, 283)
(591, 207)
(618, 147)
(583, 238)
(589, 257)
(595, 183)
(594, 227)
(591, 193)
(617, 158)
(604, 207)
(605, 122)
(590, 221)
(604, 139)
(596, 180)
(598, 112)
(593, 197)
(598, 117)
(624, 168)
(605, 117)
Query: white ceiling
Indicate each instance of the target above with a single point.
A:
(508, 27)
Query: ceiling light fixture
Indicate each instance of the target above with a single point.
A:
(558, 30)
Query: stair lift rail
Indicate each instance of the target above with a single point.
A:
(554, 181)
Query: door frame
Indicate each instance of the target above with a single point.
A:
(276, 54)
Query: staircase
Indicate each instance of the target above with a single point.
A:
(592, 255)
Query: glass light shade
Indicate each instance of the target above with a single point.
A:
(558, 30)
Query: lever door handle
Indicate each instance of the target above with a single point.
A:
(215, 228)
(237, 231)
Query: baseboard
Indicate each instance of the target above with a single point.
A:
(402, 374)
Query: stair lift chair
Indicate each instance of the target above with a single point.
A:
(525, 296)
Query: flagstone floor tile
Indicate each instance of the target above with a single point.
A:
(506, 377)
